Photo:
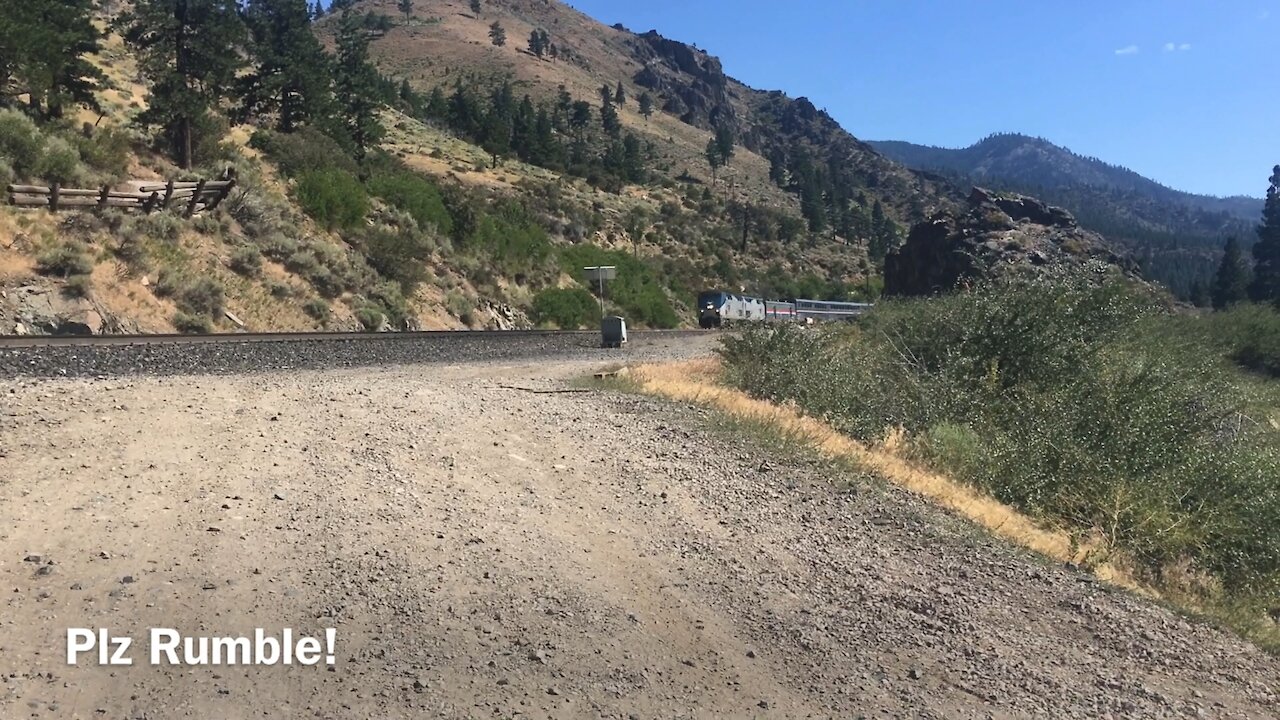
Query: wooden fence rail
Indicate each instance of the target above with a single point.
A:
(190, 196)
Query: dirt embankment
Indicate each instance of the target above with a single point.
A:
(484, 550)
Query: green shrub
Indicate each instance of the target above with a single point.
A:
(334, 198)
(279, 290)
(20, 142)
(1250, 334)
(398, 256)
(370, 316)
(304, 151)
(415, 195)
(64, 260)
(1079, 402)
(203, 296)
(318, 309)
(512, 240)
(192, 324)
(567, 308)
(637, 291)
(106, 150)
(78, 286)
(246, 261)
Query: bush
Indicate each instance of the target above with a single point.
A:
(637, 289)
(370, 316)
(246, 261)
(318, 309)
(1072, 400)
(415, 195)
(192, 324)
(279, 290)
(65, 260)
(202, 296)
(398, 256)
(334, 198)
(106, 150)
(304, 151)
(1250, 334)
(78, 286)
(568, 308)
(20, 142)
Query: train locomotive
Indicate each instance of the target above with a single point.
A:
(717, 308)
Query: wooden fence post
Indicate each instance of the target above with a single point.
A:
(195, 198)
(54, 191)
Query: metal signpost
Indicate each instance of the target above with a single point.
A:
(613, 330)
(600, 273)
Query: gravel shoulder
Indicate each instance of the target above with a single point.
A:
(488, 551)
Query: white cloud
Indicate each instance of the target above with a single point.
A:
(1180, 47)
(1184, 46)
(1130, 50)
(1169, 47)
(1264, 14)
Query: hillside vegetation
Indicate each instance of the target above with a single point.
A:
(1081, 402)
(441, 167)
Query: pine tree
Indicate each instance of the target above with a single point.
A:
(497, 35)
(1199, 294)
(406, 8)
(1231, 285)
(475, 7)
(646, 105)
(620, 95)
(191, 51)
(437, 107)
(609, 120)
(318, 12)
(553, 51)
(580, 116)
(714, 159)
(537, 43)
(43, 49)
(1266, 252)
(357, 86)
(291, 71)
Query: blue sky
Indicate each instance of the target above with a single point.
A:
(1183, 91)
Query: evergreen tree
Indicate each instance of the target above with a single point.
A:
(1199, 295)
(497, 35)
(580, 116)
(357, 86)
(538, 43)
(290, 74)
(553, 51)
(714, 158)
(43, 49)
(620, 95)
(437, 107)
(190, 50)
(1231, 285)
(609, 120)
(606, 94)
(475, 7)
(1266, 252)
(646, 105)
(884, 234)
(406, 8)
(318, 12)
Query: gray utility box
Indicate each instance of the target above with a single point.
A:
(613, 331)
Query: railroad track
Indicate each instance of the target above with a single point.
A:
(94, 355)
(26, 341)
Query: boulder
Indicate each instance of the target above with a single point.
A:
(995, 233)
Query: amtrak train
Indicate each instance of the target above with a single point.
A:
(717, 308)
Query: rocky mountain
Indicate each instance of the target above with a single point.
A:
(1177, 235)
(995, 233)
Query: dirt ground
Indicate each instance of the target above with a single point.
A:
(483, 550)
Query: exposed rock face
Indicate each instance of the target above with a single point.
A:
(501, 316)
(998, 232)
(691, 83)
(43, 309)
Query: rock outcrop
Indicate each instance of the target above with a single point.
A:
(41, 308)
(996, 233)
(691, 83)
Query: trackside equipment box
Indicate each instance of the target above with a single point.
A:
(613, 331)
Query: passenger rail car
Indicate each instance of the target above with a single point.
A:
(718, 309)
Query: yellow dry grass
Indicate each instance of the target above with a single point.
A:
(696, 381)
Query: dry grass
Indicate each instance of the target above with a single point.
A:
(697, 381)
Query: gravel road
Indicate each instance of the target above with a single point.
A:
(485, 550)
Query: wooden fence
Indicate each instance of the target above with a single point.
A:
(189, 196)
